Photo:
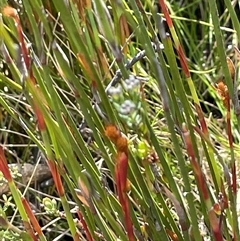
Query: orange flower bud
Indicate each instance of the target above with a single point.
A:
(222, 90)
(10, 12)
(173, 235)
(128, 185)
(113, 133)
(217, 208)
(122, 144)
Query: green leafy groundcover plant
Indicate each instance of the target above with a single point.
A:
(118, 97)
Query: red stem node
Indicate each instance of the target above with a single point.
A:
(32, 217)
(4, 166)
(121, 182)
(166, 13)
(88, 234)
(183, 61)
(56, 177)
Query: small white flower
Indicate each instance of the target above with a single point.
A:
(131, 83)
(127, 107)
(115, 91)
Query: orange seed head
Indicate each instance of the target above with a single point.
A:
(113, 133)
(122, 144)
(10, 12)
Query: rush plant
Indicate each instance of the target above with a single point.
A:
(133, 108)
